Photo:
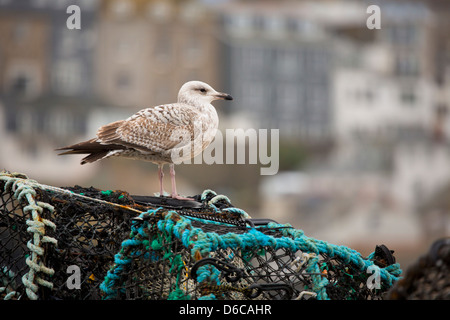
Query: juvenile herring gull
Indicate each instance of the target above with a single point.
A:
(159, 134)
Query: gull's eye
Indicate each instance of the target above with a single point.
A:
(202, 90)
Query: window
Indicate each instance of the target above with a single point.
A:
(67, 76)
(274, 26)
(21, 32)
(304, 28)
(123, 82)
(406, 64)
(240, 24)
(20, 85)
(287, 97)
(163, 45)
(287, 62)
(39, 3)
(403, 34)
(23, 77)
(315, 65)
(254, 95)
(253, 58)
(193, 49)
(191, 12)
(126, 49)
(365, 96)
(316, 96)
(159, 11)
(408, 97)
(12, 115)
(68, 42)
(122, 8)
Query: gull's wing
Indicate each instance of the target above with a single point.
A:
(152, 130)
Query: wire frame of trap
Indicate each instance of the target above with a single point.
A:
(130, 247)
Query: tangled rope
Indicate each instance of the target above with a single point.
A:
(25, 194)
(202, 244)
(215, 199)
(6, 278)
(212, 251)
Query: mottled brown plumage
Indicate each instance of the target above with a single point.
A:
(165, 134)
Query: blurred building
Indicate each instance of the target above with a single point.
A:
(309, 68)
(389, 98)
(383, 78)
(46, 85)
(58, 85)
(148, 48)
(40, 55)
(25, 38)
(278, 67)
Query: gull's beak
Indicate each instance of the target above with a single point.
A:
(223, 96)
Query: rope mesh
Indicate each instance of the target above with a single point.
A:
(130, 247)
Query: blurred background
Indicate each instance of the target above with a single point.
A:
(362, 114)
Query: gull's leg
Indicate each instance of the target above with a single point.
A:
(174, 186)
(161, 176)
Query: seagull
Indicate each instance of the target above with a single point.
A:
(164, 134)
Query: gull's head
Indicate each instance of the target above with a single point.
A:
(197, 92)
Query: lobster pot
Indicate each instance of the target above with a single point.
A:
(171, 256)
(47, 236)
(88, 244)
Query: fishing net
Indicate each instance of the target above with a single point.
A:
(88, 244)
(428, 278)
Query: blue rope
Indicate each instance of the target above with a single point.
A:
(202, 244)
(138, 239)
(293, 240)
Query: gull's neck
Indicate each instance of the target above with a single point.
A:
(206, 111)
(196, 103)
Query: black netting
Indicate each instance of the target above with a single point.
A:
(88, 234)
(137, 247)
(428, 278)
(13, 244)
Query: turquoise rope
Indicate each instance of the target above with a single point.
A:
(138, 240)
(204, 243)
